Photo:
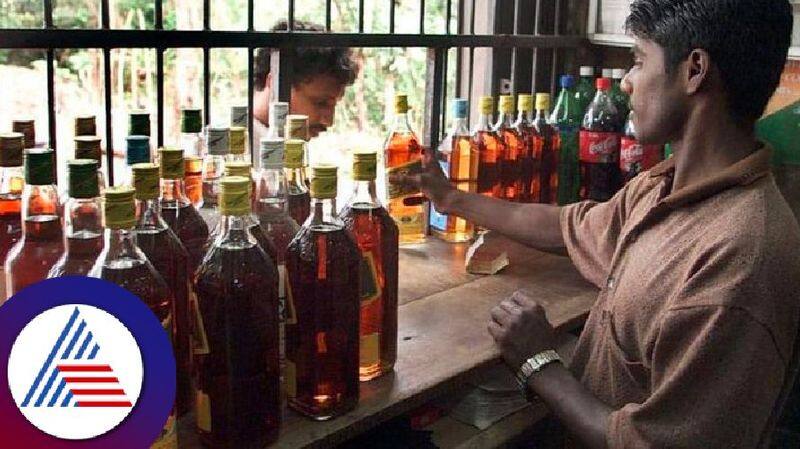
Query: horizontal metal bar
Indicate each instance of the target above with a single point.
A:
(46, 39)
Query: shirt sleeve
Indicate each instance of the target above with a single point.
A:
(716, 375)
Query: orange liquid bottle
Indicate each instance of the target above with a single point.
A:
(193, 178)
(546, 146)
(490, 151)
(42, 242)
(529, 163)
(11, 183)
(514, 147)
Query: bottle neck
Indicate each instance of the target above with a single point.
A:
(484, 122)
(323, 214)
(272, 193)
(233, 232)
(364, 193)
(148, 216)
(401, 124)
(525, 116)
(296, 178)
(121, 250)
(541, 115)
(504, 120)
(83, 217)
(40, 200)
(460, 127)
(173, 193)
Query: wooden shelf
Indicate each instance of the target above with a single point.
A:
(612, 40)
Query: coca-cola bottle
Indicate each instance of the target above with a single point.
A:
(599, 146)
(635, 158)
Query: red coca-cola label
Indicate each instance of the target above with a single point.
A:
(638, 158)
(599, 147)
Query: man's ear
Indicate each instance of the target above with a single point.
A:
(697, 70)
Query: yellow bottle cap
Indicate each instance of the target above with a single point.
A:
(234, 195)
(401, 104)
(365, 166)
(506, 105)
(323, 182)
(171, 163)
(237, 168)
(293, 153)
(297, 127)
(119, 210)
(525, 102)
(145, 181)
(237, 139)
(542, 102)
(486, 105)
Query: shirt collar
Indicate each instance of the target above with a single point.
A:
(743, 172)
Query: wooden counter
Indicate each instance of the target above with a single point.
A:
(442, 339)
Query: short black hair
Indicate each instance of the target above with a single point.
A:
(309, 61)
(747, 40)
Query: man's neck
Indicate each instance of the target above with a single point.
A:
(709, 143)
(261, 107)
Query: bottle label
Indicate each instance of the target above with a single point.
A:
(369, 349)
(168, 439)
(199, 338)
(637, 158)
(410, 223)
(599, 147)
(203, 411)
(397, 190)
(370, 288)
(438, 220)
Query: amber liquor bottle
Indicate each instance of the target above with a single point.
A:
(171, 260)
(514, 146)
(377, 237)
(490, 150)
(403, 155)
(42, 243)
(458, 157)
(177, 209)
(547, 148)
(238, 399)
(528, 161)
(123, 263)
(11, 184)
(193, 179)
(299, 197)
(323, 308)
(83, 225)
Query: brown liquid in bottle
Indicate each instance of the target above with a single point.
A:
(190, 228)
(299, 206)
(403, 149)
(490, 152)
(510, 164)
(33, 256)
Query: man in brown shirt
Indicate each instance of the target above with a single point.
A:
(691, 340)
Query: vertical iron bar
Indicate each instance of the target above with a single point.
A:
(514, 51)
(360, 16)
(206, 15)
(391, 16)
(421, 16)
(51, 94)
(105, 16)
(556, 51)
(160, 78)
(253, 151)
(48, 13)
(159, 15)
(250, 20)
(444, 93)
(433, 97)
(291, 15)
(460, 51)
(471, 54)
(328, 15)
(449, 16)
(206, 65)
(534, 70)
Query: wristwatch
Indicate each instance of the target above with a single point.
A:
(533, 365)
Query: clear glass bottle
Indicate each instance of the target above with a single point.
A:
(171, 260)
(239, 119)
(11, 185)
(299, 197)
(238, 376)
(83, 227)
(377, 237)
(490, 150)
(323, 308)
(218, 145)
(459, 161)
(403, 154)
(177, 209)
(123, 263)
(42, 241)
(192, 132)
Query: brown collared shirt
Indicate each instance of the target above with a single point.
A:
(692, 333)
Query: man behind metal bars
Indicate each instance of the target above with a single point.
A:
(319, 78)
(691, 341)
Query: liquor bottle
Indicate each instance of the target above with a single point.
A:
(490, 150)
(620, 98)
(239, 118)
(137, 151)
(238, 374)
(402, 155)
(546, 147)
(297, 129)
(278, 110)
(217, 144)
(177, 210)
(528, 158)
(83, 227)
(458, 157)
(139, 123)
(27, 128)
(599, 147)
(41, 243)
(635, 157)
(193, 178)
(88, 147)
(11, 185)
(377, 237)
(238, 145)
(272, 209)
(299, 198)
(585, 91)
(122, 262)
(169, 257)
(567, 118)
(85, 125)
(192, 132)
(323, 308)
(510, 182)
